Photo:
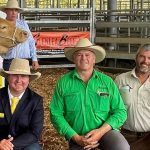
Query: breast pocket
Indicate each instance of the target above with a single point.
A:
(1, 115)
(100, 102)
(100, 105)
(126, 96)
(72, 101)
(2, 119)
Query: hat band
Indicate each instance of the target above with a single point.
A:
(20, 70)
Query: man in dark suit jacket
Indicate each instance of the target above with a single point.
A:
(20, 129)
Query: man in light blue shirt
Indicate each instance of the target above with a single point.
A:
(26, 50)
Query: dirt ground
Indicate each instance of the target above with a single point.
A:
(44, 86)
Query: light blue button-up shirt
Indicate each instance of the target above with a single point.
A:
(26, 49)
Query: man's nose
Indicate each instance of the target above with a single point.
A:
(18, 78)
(83, 57)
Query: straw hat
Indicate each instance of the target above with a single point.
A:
(11, 4)
(85, 44)
(21, 67)
(2, 15)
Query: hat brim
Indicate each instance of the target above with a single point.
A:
(32, 76)
(2, 8)
(97, 50)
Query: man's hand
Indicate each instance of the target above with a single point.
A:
(6, 144)
(92, 139)
(79, 140)
(91, 146)
(35, 65)
(94, 136)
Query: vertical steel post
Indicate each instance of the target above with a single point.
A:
(112, 7)
(92, 21)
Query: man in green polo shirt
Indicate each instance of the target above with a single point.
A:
(86, 106)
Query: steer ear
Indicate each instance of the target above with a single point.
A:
(3, 50)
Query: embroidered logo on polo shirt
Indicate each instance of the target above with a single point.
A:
(102, 93)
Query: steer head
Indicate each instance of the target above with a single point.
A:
(10, 35)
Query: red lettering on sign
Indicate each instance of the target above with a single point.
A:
(57, 40)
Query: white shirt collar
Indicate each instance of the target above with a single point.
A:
(11, 96)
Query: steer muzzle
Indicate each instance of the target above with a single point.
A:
(21, 35)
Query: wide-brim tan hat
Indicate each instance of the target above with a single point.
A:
(85, 44)
(21, 67)
(11, 4)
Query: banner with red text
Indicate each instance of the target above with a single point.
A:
(57, 40)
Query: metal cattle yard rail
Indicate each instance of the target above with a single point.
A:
(120, 36)
(68, 24)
